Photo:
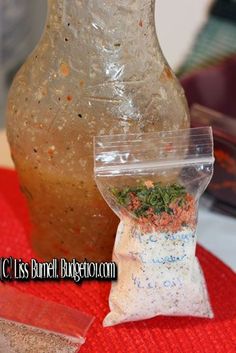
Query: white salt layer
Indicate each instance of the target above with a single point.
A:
(158, 274)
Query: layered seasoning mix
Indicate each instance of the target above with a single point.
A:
(158, 207)
(156, 240)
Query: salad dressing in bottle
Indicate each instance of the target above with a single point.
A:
(97, 70)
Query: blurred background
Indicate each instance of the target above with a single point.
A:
(21, 25)
(198, 38)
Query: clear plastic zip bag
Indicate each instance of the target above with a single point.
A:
(153, 182)
(30, 324)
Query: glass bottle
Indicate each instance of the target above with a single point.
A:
(97, 70)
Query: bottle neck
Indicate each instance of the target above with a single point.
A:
(114, 20)
(110, 41)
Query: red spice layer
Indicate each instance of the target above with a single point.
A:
(184, 215)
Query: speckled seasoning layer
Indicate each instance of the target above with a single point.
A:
(158, 275)
(162, 334)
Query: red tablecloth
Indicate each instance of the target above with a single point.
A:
(161, 334)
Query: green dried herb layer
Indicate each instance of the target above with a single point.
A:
(156, 196)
